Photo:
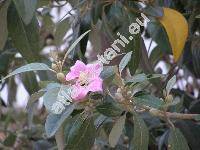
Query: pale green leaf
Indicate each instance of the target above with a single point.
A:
(25, 38)
(140, 139)
(177, 140)
(27, 68)
(56, 99)
(53, 121)
(26, 9)
(125, 61)
(61, 30)
(116, 131)
(76, 42)
(80, 133)
(148, 100)
(170, 84)
(34, 97)
(3, 23)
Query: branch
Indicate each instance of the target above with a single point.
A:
(171, 115)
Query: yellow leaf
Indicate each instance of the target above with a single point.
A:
(177, 30)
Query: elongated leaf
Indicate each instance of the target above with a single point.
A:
(176, 27)
(61, 30)
(148, 100)
(76, 42)
(54, 121)
(159, 35)
(116, 131)
(137, 78)
(109, 109)
(26, 9)
(34, 97)
(141, 134)
(154, 11)
(24, 37)
(56, 99)
(107, 72)
(3, 23)
(27, 68)
(170, 84)
(125, 61)
(80, 134)
(177, 140)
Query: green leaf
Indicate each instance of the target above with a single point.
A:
(109, 109)
(3, 23)
(154, 11)
(27, 68)
(125, 61)
(135, 47)
(56, 99)
(159, 35)
(26, 9)
(170, 84)
(148, 100)
(76, 42)
(116, 131)
(107, 72)
(140, 139)
(34, 97)
(197, 117)
(80, 133)
(137, 78)
(177, 140)
(53, 121)
(61, 30)
(24, 37)
(10, 140)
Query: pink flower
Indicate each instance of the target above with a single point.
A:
(86, 79)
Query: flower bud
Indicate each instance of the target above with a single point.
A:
(119, 97)
(129, 93)
(49, 41)
(119, 90)
(169, 98)
(54, 67)
(126, 140)
(60, 76)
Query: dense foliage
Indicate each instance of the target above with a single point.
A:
(137, 107)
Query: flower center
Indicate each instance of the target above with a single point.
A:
(83, 79)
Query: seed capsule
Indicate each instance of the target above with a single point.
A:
(60, 76)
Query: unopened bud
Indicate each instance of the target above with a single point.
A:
(119, 90)
(169, 98)
(87, 109)
(119, 97)
(129, 93)
(49, 41)
(54, 67)
(60, 76)
(126, 140)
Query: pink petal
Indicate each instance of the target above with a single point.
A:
(95, 85)
(75, 70)
(79, 93)
(94, 69)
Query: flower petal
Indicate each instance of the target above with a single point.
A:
(94, 69)
(75, 70)
(96, 85)
(78, 92)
